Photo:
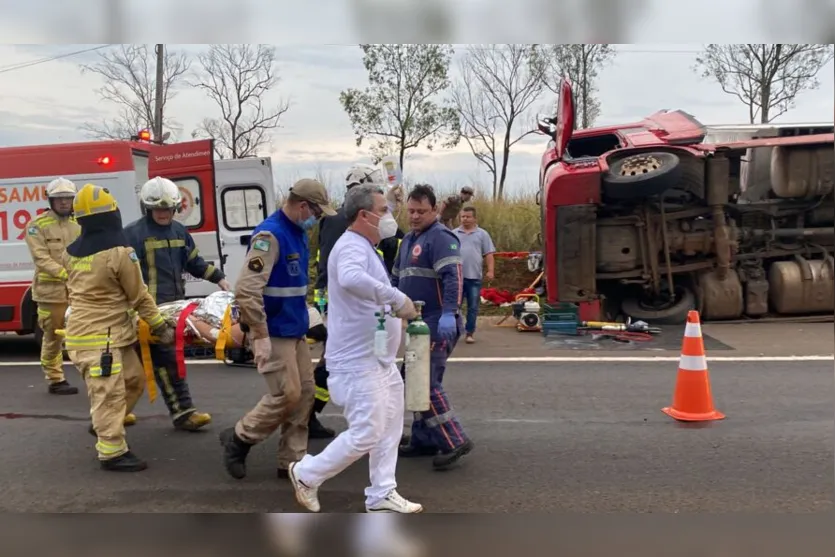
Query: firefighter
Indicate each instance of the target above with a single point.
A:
(272, 296)
(166, 251)
(47, 236)
(105, 284)
(429, 269)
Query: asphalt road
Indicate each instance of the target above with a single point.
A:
(578, 437)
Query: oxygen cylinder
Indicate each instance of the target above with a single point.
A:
(381, 335)
(416, 359)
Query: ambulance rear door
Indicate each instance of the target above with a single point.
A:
(245, 196)
(191, 166)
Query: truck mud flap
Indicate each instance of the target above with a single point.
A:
(576, 253)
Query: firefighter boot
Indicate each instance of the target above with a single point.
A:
(62, 388)
(194, 421)
(128, 462)
(235, 451)
(315, 429)
(444, 461)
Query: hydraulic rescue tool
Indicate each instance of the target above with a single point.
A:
(416, 360)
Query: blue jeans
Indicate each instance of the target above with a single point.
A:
(472, 296)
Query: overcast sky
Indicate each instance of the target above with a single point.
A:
(47, 102)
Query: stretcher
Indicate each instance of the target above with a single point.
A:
(210, 323)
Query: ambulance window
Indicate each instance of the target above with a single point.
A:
(244, 207)
(192, 213)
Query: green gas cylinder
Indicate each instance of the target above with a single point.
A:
(416, 358)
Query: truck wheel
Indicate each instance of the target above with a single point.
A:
(642, 175)
(661, 312)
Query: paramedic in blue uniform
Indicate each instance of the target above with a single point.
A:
(166, 250)
(429, 269)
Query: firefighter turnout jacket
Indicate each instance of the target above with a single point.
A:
(104, 288)
(272, 289)
(47, 237)
(165, 253)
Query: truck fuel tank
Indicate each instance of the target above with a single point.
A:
(802, 286)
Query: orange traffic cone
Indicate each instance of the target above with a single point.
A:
(693, 400)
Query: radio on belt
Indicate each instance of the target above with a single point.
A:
(106, 361)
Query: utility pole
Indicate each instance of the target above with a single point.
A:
(160, 51)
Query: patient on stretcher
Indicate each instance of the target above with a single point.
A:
(204, 324)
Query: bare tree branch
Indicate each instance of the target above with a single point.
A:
(498, 85)
(765, 77)
(580, 64)
(399, 109)
(129, 73)
(237, 77)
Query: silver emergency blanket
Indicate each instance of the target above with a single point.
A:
(210, 309)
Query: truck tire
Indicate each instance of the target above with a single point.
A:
(674, 313)
(642, 175)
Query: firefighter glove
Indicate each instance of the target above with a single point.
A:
(164, 334)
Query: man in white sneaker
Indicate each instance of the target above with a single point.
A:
(367, 385)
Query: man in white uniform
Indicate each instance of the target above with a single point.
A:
(368, 387)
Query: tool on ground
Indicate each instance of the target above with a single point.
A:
(106, 361)
(693, 399)
(416, 361)
(526, 309)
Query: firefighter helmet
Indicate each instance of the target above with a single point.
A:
(161, 193)
(60, 187)
(93, 200)
(364, 174)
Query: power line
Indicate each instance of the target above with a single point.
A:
(13, 67)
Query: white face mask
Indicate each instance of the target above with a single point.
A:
(387, 226)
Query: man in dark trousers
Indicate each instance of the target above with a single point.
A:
(330, 230)
(429, 269)
(166, 250)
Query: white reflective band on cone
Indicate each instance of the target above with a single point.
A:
(693, 330)
(693, 363)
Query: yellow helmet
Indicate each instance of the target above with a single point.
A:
(93, 200)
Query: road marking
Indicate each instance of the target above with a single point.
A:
(553, 360)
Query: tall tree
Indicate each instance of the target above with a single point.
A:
(399, 109)
(237, 77)
(580, 64)
(129, 74)
(497, 86)
(765, 77)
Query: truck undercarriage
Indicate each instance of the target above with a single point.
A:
(693, 234)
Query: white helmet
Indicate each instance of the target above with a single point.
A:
(160, 193)
(60, 187)
(364, 174)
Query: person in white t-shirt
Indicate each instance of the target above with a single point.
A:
(367, 386)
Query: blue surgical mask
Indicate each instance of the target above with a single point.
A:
(308, 223)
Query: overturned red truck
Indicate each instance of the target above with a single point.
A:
(648, 220)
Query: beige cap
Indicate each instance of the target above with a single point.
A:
(314, 192)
